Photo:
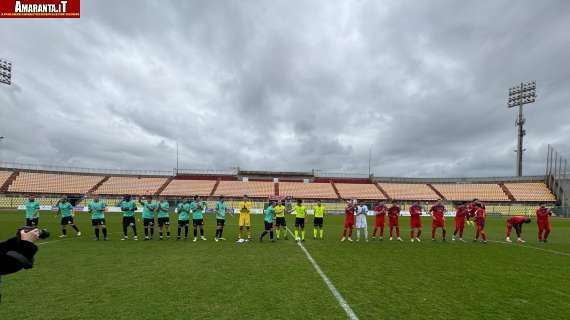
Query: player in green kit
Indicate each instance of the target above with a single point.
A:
(198, 207)
(319, 215)
(97, 209)
(183, 209)
(269, 221)
(128, 207)
(300, 216)
(221, 210)
(149, 206)
(32, 211)
(163, 217)
(65, 208)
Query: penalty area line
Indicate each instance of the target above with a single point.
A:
(560, 253)
(341, 301)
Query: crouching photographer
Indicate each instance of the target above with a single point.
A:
(17, 253)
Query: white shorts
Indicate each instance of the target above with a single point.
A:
(361, 221)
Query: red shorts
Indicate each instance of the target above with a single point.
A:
(438, 224)
(349, 223)
(394, 223)
(416, 224)
(459, 224)
(379, 223)
(544, 225)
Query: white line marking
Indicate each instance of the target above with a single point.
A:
(349, 312)
(535, 248)
(52, 241)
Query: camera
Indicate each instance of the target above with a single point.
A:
(44, 233)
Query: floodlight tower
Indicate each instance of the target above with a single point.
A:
(518, 96)
(5, 72)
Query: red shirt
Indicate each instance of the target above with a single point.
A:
(415, 212)
(472, 209)
(517, 219)
(380, 212)
(349, 213)
(542, 214)
(394, 212)
(438, 211)
(480, 215)
(461, 213)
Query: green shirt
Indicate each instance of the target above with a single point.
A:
(97, 209)
(32, 209)
(268, 214)
(163, 209)
(198, 212)
(183, 211)
(148, 209)
(128, 208)
(319, 211)
(66, 209)
(221, 210)
(300, 211)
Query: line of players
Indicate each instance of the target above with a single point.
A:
(275, 222)
(464, 212)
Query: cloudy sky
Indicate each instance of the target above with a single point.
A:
(288, 85)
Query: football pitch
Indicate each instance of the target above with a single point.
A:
(78, 278)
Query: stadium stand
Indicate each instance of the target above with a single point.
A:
(13, 202)
(4, 176)
(359, 191)
(469, 191)
(409, 191)
(254, 189)
(530, 191)
(307, 190)
(131, 185)
(55, 183)
(189, 187)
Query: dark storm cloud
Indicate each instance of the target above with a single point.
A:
(287, 85)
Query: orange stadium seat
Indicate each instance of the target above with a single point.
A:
(307, 190)
(409, 191)
(359, 191)
(530, 191)
(255, 189)
(4, 175)
(60, 183)
(189, 188)
(131, 185)
(469, 191)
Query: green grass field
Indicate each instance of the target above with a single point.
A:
(78, 278)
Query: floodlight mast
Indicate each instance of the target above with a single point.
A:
(518, 96)
(5, 72)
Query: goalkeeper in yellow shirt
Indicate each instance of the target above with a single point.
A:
(280, 222)
(319, 214)
(244, 208)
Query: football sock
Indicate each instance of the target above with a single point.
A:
(271, 234)
(303, 234)
(75, 228)
(64, 231)
(221, 232)
(125, 230)
(432, 233)
(135, 230)
(97, 233)
(186, 231)
(546, 233)
(357, 233)
(168, 233)
(365, 234)
(314, 232)
(398, 232)
(201, 231)
(263, 234)
(322, 233)
(179, 231)
(278, 231)
(296, 234)
(151, 232)
(249, 233)
(419, 233)
(104, 232)
(350, 233)
(160, 233)
(146, 232)
(195, 232)
(391, 232)
(443, 233)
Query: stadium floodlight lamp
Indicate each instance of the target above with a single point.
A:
(520, 95)
(5, 72)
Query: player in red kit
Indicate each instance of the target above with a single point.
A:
(380, 210)
(394, 223)
(461, 213)
(438, 220)
(543, 220)
(516, 222)
(415, 222)
(348, 221)
(480, 216)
